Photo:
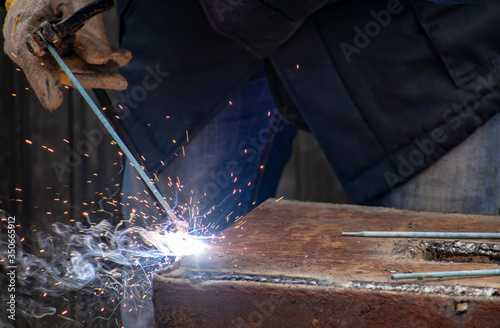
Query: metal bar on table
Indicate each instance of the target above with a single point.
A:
(411, 234)
(446, 274)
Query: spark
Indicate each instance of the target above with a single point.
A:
(28, 141)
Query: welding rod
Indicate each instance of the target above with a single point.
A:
(115, 136)
(411, 234)
(446, 274)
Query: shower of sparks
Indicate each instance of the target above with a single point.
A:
(109, 266)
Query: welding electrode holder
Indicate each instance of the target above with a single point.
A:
(55, 31)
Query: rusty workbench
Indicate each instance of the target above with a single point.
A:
(286, 265)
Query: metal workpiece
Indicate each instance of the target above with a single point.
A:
(289, 265)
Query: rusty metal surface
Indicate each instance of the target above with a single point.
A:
(241, 304)
(292, 255)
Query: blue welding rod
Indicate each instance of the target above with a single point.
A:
(411, 234)
(113, 133)
(446, 274)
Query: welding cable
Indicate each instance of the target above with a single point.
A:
(109, 110)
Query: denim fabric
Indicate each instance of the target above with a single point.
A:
(232, 165)
(465, 180)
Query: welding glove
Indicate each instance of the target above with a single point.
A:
(89, 54)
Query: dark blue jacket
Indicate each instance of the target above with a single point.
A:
(387, 87)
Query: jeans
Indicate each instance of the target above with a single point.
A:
(233, 164)
(465, 180)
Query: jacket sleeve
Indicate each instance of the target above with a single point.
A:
(259, 25)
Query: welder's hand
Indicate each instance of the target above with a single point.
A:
(90, 56)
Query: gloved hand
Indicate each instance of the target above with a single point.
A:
(91, 58)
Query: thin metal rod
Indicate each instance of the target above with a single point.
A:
(113, 134)
(446, 274)
(411, 234)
